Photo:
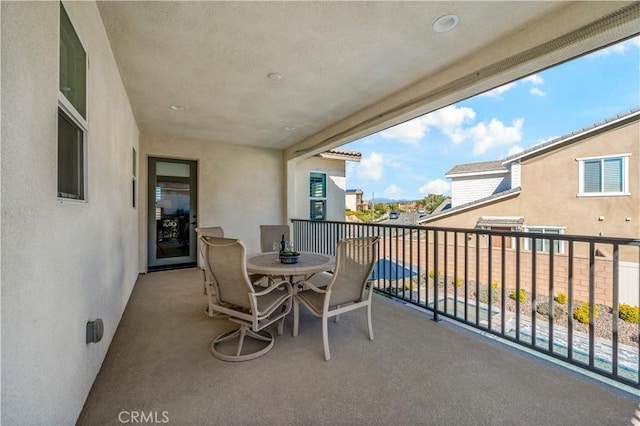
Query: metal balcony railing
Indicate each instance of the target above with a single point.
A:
(574, 298)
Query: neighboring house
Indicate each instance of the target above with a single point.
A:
(353, 200)
(320, 184)
(584, 183)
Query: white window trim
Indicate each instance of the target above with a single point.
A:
(625, 176)
(70, 111)
(527, 241)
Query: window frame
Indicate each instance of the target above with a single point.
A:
(528, 246)
(624, 175)
(66, 108)
(313, 200)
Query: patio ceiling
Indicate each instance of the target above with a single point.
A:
(347, 68)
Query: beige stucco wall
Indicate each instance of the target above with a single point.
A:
(336, 187)
(239, 187)
(550, 187)
(62, 264)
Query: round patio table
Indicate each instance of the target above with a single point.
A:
(308, 264)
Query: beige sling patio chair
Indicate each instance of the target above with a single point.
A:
(252, 307)
(209, 289)
(269, 234)
(346, 290)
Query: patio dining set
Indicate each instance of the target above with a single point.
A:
(257, 290)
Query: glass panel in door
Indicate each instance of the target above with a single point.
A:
(172, 207)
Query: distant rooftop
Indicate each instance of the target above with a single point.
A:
(485, 166)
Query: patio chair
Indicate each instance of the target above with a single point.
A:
(253, 308)
(270, 234)
(346, 290)
(209, 288)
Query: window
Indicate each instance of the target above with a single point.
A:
(317, 196)
(604, 175)
(543, 244)
(72, 112)
(70, 158)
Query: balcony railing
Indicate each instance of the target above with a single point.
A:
(574, 298)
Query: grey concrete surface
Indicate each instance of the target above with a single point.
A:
(416, 371)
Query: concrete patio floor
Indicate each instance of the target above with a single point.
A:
(416, 371)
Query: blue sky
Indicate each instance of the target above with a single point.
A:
(409, 161)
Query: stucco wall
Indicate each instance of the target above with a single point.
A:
(239, 187)
(62, 264)
(550, 187)
(336, 186)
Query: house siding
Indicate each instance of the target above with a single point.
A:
(63, 263)
(466, 190)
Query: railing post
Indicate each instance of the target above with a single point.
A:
(436, 276)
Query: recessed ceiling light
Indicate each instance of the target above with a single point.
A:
(274, 76)
(445, 23)
(177, 107)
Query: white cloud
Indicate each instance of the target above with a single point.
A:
(516, 149)
(436, 186)
(537, 92)
(534, 79)
(393, 191)
(495, 93)
(450, 121)
(371, 167)
(410, 132)
(495, 134)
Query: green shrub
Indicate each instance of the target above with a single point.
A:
(495, 285)
(561, 298)
(457, 282)
(628, 313)
(523, 295)
(581, 313)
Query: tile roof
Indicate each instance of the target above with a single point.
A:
(342, 154)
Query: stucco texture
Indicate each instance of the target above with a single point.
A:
(63, 263)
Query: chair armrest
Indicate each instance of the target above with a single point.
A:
(273, 287)
(308, 285)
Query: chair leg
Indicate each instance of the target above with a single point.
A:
(241, 333)
(369, 321)
(296, 318)
(281, 327)
(325, 338)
